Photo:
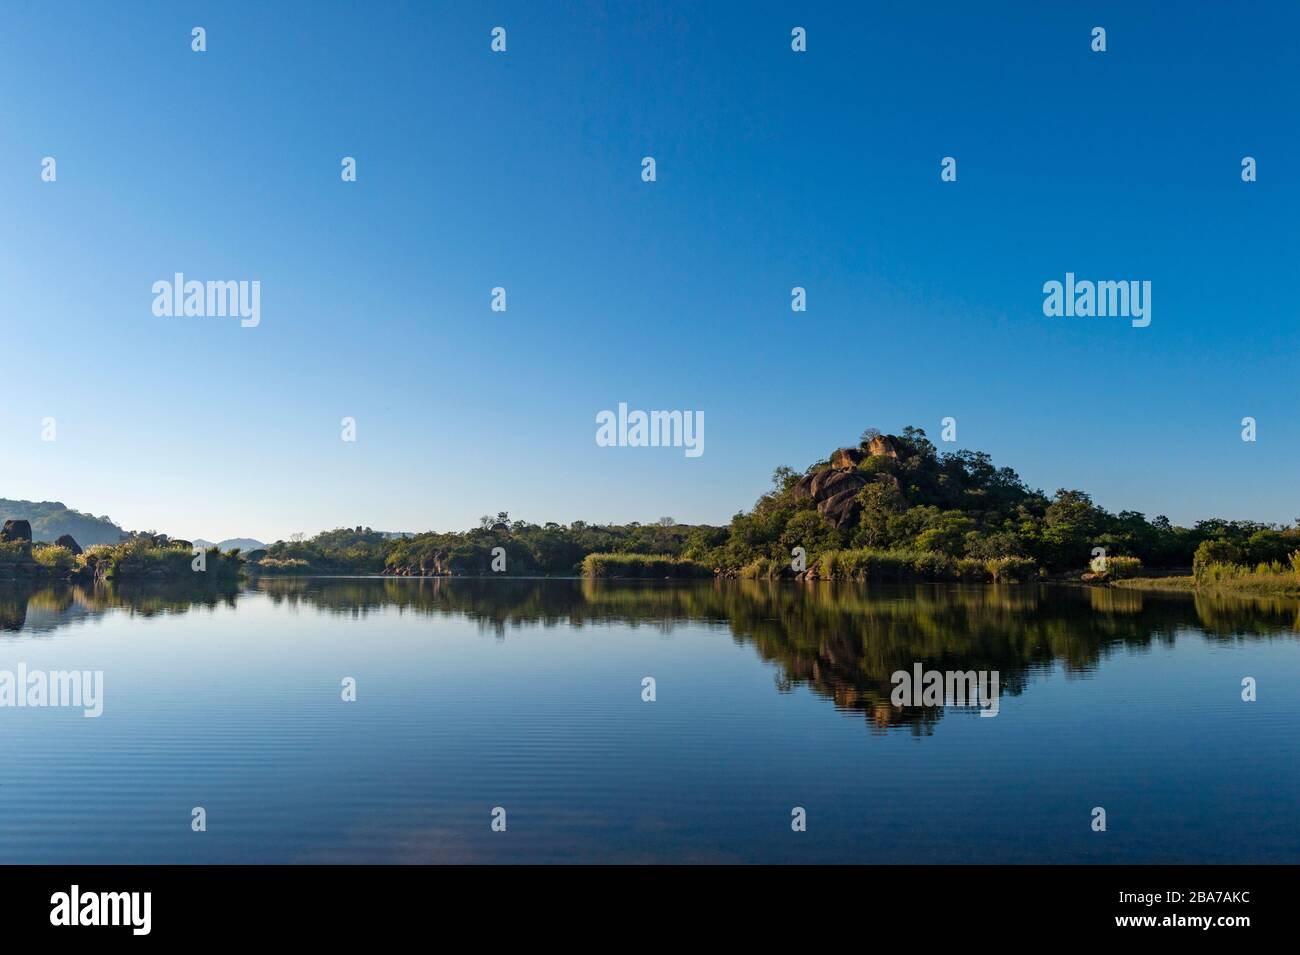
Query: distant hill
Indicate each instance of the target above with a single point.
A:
(52, 519)
(243, 543)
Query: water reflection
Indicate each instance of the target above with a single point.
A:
(50, 607)
(842, 641)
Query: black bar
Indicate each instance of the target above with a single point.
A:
(885, 904)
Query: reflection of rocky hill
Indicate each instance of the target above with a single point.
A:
(842, 641)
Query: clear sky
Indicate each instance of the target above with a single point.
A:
(523, 170)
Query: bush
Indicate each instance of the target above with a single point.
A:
(141, 558)
(1118, 568)
(763, 568)
(1268, 577)
(54, 557)
(1010, 569)
(1218, 551)
(15, 552)
(932, 565)
(642, 565)
(903, 565)
(287, 565)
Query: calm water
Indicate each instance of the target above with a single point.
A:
(528, 695)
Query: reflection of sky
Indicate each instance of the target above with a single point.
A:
(239, 711)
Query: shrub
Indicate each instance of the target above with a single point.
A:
(1117, 568)
(642, 565)
(15, 552)
(999, 544)
(1215, 552)
(1010, 569)
(932, 565)
(141, 558)
(287, 565)
(763, 568)
(903, 565)
(54, 557)
(971, 569)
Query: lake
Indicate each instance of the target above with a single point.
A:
(529, 696)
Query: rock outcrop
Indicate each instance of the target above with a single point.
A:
(845, 459)
(16, 530)
(802, 489)
(835, 489)
(841, 507)
(68, 541)
(883, 445)
(835, 493)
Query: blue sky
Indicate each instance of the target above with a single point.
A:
(522, 170)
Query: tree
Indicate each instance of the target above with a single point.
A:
(882, 506)
(1072, 525)
(946, 534)
(783, 477)
(806, 529)
(915, 443)
(1215, 552)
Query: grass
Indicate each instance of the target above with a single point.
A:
(1271, 579)
(283, 565)
(647, 566)
(1116, 568)
(764, 568)
(923, 565)
(898, 565)
(53, 557)
(15, 552)
(142, 559)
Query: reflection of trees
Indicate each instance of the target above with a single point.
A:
(58, 603)
(1229, 619)
(13, 609)
(843, 641)
(148, 599)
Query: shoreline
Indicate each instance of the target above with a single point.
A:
(1245, 586)
(1160, 585)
